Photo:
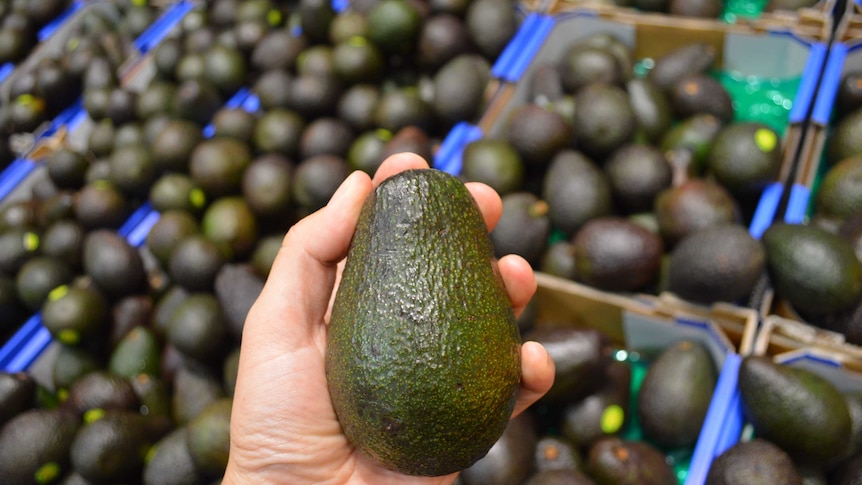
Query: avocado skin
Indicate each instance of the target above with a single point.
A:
(797, 410)
(755, 461)
(423, 352)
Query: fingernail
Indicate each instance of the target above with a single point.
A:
(344, 188)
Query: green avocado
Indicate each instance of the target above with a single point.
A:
(421, 316)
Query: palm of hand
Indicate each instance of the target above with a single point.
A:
(283, 427)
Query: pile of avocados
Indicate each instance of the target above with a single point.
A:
(148, 337)
(630, 183)
(614, 416)
(98, 44)
(826, 291)
(20, 22)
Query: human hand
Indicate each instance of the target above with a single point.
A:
(283, 426)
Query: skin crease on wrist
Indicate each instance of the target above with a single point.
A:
(283, 427)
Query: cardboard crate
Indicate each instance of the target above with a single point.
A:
(815, 22)
(648, 324)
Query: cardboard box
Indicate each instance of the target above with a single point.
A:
(648, 324)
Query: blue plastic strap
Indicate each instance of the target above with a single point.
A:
(14, 174)
(138, 235)
(32, 349)
(5, 70)
(514, 47)
(814, 358)
(251, 103)
(829, 85)
(48, 29)
(162, 26)
(540, 33)
(10, 349)
(340, 5)
(448, 156)
(734, 421)
(808, 85)
(797, 204)
(715, 421)
(767, 206)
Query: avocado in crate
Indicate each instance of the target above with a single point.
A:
(799, 395)
(634, 389)
(627, 149)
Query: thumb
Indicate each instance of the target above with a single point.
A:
(294, 299)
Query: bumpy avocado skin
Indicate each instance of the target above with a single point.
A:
(423, 350)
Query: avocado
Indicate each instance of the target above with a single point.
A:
(844, 141)
(197, 327)
(848, 472)
(356, 106)
(409, 139)
(797, 410)
(278, 131)
(234, 123)
(133, 170)
(313, 95)
(718, 263)
(67, 168)
(229, 222)
(637, 174)
(755, 461)
(216, 165)
(557, 453)
(839, 190)
(172, 227)
(576, 191)
(348, 23)
(195, 388)
(700, 93)
(34, 446)
(111, 448)
(459, 89)
(745, 157)
(17, 246)
(537, 134)
(176, 192)
(156, 99)
(559, 260)
(75, 314)
(317, 59)
(583, 64)
(100, 205)
(402, 107)
(138, 352)
(114, 265)
(580, 355)
(523, 228)
(128, 313)
(396, 428)
(325, 136)
(153, 394)
(676, 393)
(615, 254)
(197, 100)
(38, 277)
(651, 108)
(266, 185)
(237, 288)
(209, 438)
(278, 49)
(100, 389)
(195, 261)
(604, 119)
(559, 477)
(394, 26)
(272, 90)
(170, 462)
(491, 23)
(510, 460)
(64, 239)
(443, 37)
(316, 179)
(816, 271)
(17, 394)
(264, 254)
(356, 61)
(614, 461)
(494, 162)
(174, 143)
(602, 413)
(675, 64)
(849, 96)
(693, 206)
